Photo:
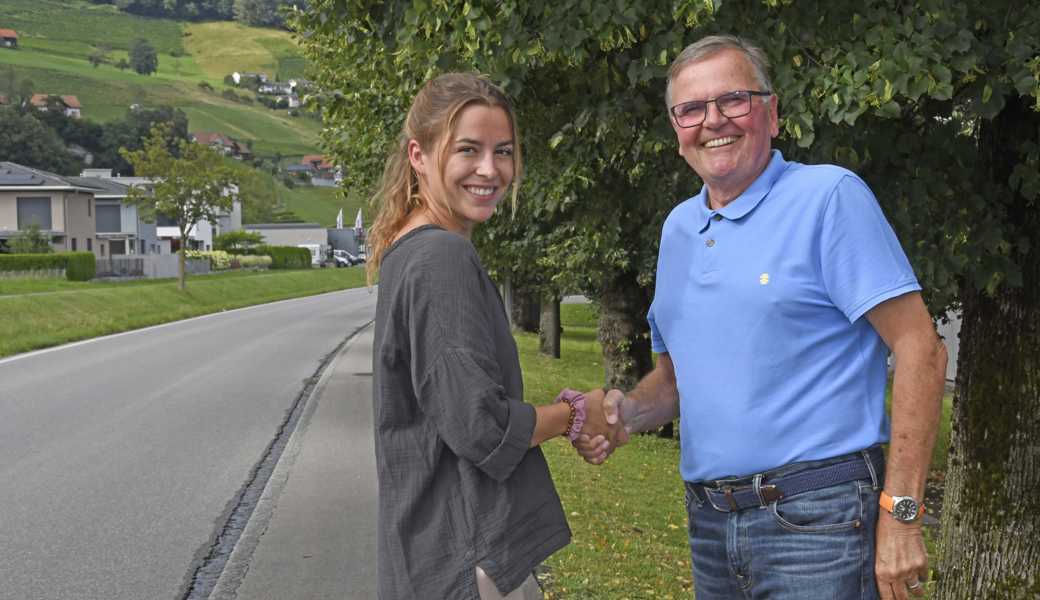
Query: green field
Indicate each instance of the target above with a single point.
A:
(55, 38)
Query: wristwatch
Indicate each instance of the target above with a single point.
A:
(904, 508)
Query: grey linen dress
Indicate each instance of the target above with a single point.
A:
(458, 485)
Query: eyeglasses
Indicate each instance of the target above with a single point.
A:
(731, 105)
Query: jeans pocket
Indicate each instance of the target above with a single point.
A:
(826, 510)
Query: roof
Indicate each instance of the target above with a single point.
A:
(14, 175)
(8, 33)
(209, 137)
(307, 168)
(283, 226)
(42, 99)
(322, 162)
(104, 187)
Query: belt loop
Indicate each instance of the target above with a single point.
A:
(870, 467)
(758, 490)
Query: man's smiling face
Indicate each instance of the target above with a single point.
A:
(728, 154)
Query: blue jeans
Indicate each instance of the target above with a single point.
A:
(817, 544)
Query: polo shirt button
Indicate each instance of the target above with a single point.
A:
(709, 243)
(717, 217)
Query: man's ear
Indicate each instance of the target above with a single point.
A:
(417, 157)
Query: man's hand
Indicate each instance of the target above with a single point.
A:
(604, 428)
(901, 561)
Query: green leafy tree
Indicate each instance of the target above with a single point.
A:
(99, 55)
(189, 186)
(27, 141)
(237, 242)
(30, 241)
(262, 13)
(143, 57)
(934, 102)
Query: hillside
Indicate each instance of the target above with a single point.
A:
(55, 38)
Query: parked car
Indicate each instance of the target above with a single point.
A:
(346, 259)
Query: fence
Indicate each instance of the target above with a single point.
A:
(153, 266)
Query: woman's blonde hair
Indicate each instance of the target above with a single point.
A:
(430, 122)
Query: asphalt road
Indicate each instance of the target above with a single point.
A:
(122, 457)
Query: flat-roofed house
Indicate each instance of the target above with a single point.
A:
(64, 211)
(118, 222)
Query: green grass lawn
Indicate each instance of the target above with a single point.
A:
(37, 313)
(321, 205)
(627, 516)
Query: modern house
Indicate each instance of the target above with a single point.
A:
(119, 223)
(293, 234)
(8, 38)
(167, 232)
(68, 104)
(63, 210)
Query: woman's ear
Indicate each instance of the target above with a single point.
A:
(417, 158)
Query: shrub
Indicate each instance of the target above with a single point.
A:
(32, 262)
(287, 257)
(81, 266)
(78, 266)
(205, 86)
(218, 259)
(248, 261)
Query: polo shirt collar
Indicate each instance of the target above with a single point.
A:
(747, 201)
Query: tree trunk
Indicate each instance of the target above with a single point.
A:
(624, 333)
(549, 328)
(525, 310)
(990, 540)
(181, 278)
(990, 534)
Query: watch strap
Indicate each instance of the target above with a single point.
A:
(887, 502)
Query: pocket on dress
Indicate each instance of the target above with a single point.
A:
(832, 509)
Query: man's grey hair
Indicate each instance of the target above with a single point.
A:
(713, 44)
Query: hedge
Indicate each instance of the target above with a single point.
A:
(81, 266)
(78, 266)
(287, 257)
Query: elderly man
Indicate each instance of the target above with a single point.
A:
(781, 290)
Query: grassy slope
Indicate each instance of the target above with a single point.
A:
(53, 55)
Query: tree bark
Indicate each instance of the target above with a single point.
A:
(549, 328)
(181, 279)
(990, 534)
(525, 310)
(624, 333)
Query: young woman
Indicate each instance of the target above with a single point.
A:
(467, 506)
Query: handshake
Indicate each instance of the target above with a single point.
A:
(603, 429)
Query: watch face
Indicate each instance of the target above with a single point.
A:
(905, 510)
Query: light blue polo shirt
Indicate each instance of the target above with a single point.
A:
(760, 306)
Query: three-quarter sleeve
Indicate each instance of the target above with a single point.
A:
(473, 414)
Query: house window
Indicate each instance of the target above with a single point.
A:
(108, 220)
(90, 245)
(90, 204)
(73, 244)
(142, 247)
(102, 248)
(34, 211)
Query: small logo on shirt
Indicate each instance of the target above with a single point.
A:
(764, 278)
